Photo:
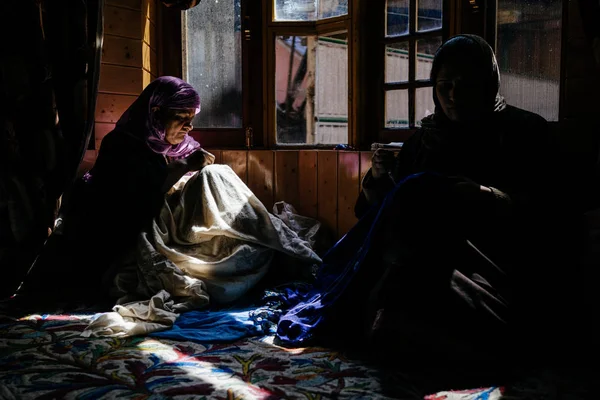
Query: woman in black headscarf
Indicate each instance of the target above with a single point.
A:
(472, 254)
(453, 234)
(473, 134)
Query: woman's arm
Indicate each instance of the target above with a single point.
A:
(375, 186)
(176, 169)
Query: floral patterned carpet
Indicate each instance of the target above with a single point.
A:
(44, 357)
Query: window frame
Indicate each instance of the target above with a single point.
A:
(480, 18)
(171, 32)
(449, 26)
(365, 25)
(326, 26)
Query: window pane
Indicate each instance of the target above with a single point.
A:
(396, 109)
(213, 62)
(529, 54)
(425, 104)
(311, 89)
(426, 49)
(430, 15)
(396, 62)
(332, 8)
(295, 10)
(396, 20)
(306, 10)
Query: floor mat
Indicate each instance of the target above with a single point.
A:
(44, 357)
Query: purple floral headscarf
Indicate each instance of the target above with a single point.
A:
(166, 92)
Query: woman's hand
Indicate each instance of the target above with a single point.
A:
(199, 159)
(382, 163)
(466, 193)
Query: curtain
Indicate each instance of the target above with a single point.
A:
(49, 72)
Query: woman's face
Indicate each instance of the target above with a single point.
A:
(177, 123)
(460, 91)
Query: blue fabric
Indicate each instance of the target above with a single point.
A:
(217, 326)
(248, 317)
(340, 265)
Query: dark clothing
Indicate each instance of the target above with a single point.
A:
(485, 262)
(511, 153)
(104, 212)
(463, 260)
(101, 219)
(122, 192)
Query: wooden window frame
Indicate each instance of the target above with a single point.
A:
(171, 63)
(364, 24)
(377, 68)
(306, 28)
(479, 17)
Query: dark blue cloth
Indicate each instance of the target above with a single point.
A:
(248, 317)
(218, 326)
(339, 269)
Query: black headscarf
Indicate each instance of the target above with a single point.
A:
(477, 52)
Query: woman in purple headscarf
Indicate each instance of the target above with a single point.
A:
(139, 161)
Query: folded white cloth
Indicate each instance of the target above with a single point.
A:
(133, 319)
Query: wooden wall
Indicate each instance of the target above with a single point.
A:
(129, 60)
(322, 184)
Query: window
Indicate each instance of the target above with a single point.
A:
(296, 71)
(327, 72)
(308, 88)
(212, 62)
(413, 32)
(528, 52)
(222, 58)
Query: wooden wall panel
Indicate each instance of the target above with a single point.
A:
(122, 80)
(149, 9)
(100, 130)
(149, 63)
(327, 189)
(286, 177)
(110, 107)
(260, 175)
(129, 59)
(133, 4)
(149, 30)
(307, 184)
(123, 22)
(218, 156)
(348, 188)
(238, 162)
(122, 51)
(365, 163)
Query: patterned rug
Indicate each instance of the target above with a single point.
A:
(44, 357)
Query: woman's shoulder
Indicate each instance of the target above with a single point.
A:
(118, 138)
(120, 143)
(519, 117)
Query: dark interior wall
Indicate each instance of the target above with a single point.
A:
(578, 132)
(48, 76)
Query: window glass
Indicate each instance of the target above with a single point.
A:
(311, 89)
(213, 62)
(528, 53)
